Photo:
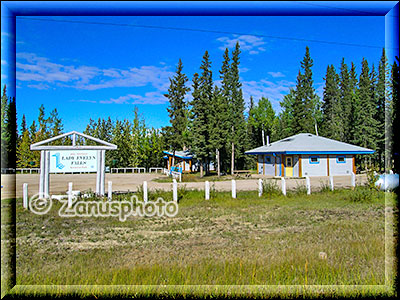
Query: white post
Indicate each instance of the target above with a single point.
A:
(308, 184)
(145, 196)
(42, 173)
(233, 188)
(353, 179)
(109, 196)
(175, 190)
(283, 181)
(260, 187)
(180, 177)
(331, 182)
(25, 195)
(102, 174)
(98, 175)
(70, 194)
(47, 174)
(207, 190)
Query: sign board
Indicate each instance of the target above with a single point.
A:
(73, 161)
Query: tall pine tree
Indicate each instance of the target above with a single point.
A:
(177, 109)
(306, 101)
(332, 126)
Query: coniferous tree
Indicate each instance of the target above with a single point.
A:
(227, 111)
(23, 128)
(345, 94)
(177, 109)
(306, 101)
(239, 137)
(365, 125)
(12, 134)
(201, 107)
(218, 129)
(331, 108)
(395, 149)
(4, 109)
(381, 101)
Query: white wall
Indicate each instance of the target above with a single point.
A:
(309, 169)
(260, 164)
(336, 168)
(269, 168)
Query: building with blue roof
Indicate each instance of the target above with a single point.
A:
(307, 154)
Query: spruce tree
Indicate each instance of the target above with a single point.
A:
(11, 129)
(177, 110)
(227, 110)
(365, 125)
(239, 137)
(381, 100)
(395, 153)
(4, 137)
(218, 130)
(332, 126)
(345, 94)
(306, 101)
(201, 108)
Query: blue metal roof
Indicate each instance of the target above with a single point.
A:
(181, 154)
(306, 143)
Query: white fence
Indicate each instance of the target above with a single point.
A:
(7, 171)
(72, 193)
(29, 170)
(155, 170)
(128, 170)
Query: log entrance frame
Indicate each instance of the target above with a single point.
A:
(44, 149)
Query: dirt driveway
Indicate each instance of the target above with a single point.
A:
(12, 185)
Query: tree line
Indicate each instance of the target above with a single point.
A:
(216, 126)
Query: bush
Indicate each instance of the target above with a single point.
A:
(270, 187)
(361, 194)
(372, 177)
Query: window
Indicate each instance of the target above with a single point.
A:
(341, 159)
(268, 159)
(314, 159)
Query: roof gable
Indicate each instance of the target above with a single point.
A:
(42, 145)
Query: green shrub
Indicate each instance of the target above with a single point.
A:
(361, 194)
(270, 187)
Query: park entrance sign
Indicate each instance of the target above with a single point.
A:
(76, 158)
(66, 161)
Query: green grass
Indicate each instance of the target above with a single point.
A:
(272, 240)
(195, 177)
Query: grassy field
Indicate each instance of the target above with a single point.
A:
(272, 240)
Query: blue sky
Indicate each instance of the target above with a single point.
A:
(91, 70)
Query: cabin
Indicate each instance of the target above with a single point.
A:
(183, 161)
(306, 154)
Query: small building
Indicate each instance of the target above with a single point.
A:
(183, 160)
(306, 154)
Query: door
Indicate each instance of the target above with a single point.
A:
(289, 166)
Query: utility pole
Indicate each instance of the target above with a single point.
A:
(218, 163)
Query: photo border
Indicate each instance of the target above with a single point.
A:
(11, 9)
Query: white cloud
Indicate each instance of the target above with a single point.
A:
(276, 74)
(274, 91)
(154, 97)
(32, 68)
(250, 43)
